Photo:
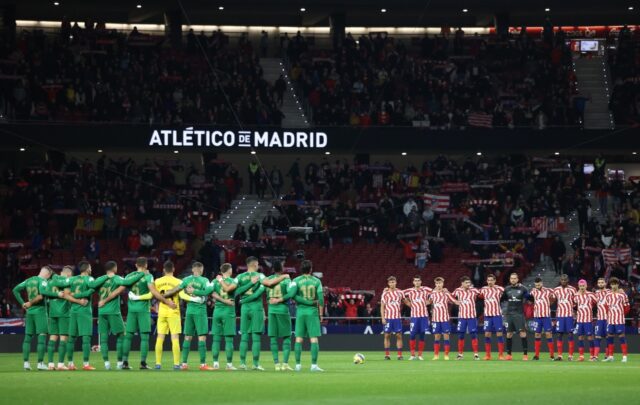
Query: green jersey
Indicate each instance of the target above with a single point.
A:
(83, 287)
(140, 287)
(110, 285)
(59, 307)
(216, 287)
(310, 290)
(35, 286)
(198, 283)
(285, 289)
(249, 292)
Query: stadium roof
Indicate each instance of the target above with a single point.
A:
(412, 13)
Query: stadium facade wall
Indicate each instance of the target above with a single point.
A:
(337, 342)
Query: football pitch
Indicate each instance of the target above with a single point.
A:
(375, 381)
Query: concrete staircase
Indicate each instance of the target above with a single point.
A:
(294, 116)
(545, 268)
(593, 82)
(243, 211)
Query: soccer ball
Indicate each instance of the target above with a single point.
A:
(358, 358)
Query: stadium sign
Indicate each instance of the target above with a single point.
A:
(191, 137)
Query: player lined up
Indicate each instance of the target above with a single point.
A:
(612, 305)
(60, 305)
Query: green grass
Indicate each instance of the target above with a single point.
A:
(375, 382)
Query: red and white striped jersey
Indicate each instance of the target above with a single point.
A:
(615, 304)
(601, 295)
(467, 298)
(492, 297)
(542, 302)
(392, 300)
(584, 302)
(418, 298)
(439, 305)
(564, 295)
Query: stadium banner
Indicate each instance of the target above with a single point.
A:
(140, 137)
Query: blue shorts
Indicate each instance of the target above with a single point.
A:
(583, 329)
(564, 325)
(419, 325)
(393, 326)
(440, 327)
(601, 328)
(493, 324)
(542, 324)
(467, 325)
(615, 329)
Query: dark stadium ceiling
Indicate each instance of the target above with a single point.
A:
(411, 13)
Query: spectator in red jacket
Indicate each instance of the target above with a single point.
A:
(350, 307)
(133, 242)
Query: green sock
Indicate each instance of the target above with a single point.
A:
(86, 348)
(62, 350)
(215, 347)
(70, 347)
(255, 348)
(315, 349)
(120, 346)
(126, 346)
(274, 349)
(26, 347)
(42, 347)
(228, 348)
(297, 347)
(202, 349)
(51, 349)
(186, 346)
(104, 346)
(244, 346)
(286, 349)
(144, 347)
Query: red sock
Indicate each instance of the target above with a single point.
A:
(581, 351)
(571, 347)
(460, 346)
(436, 349)
(412, 346)
(591, 351)
(500, 349)
(487, 349)
(537, 344)
(610, 350)
(559, 347)
(446, 349)
(386, 352)
(400, 351)
(474, 345)
(623, 346)
(420, 347)
(596, 351)
(550, 346)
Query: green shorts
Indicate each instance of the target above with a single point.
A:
(110, 323)
(81, 324)
(251, 321)
(223, 324)
(35, 324)
(279, 325)
(59, 325)
(138, 322)
(308, 325)
(196, 324)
